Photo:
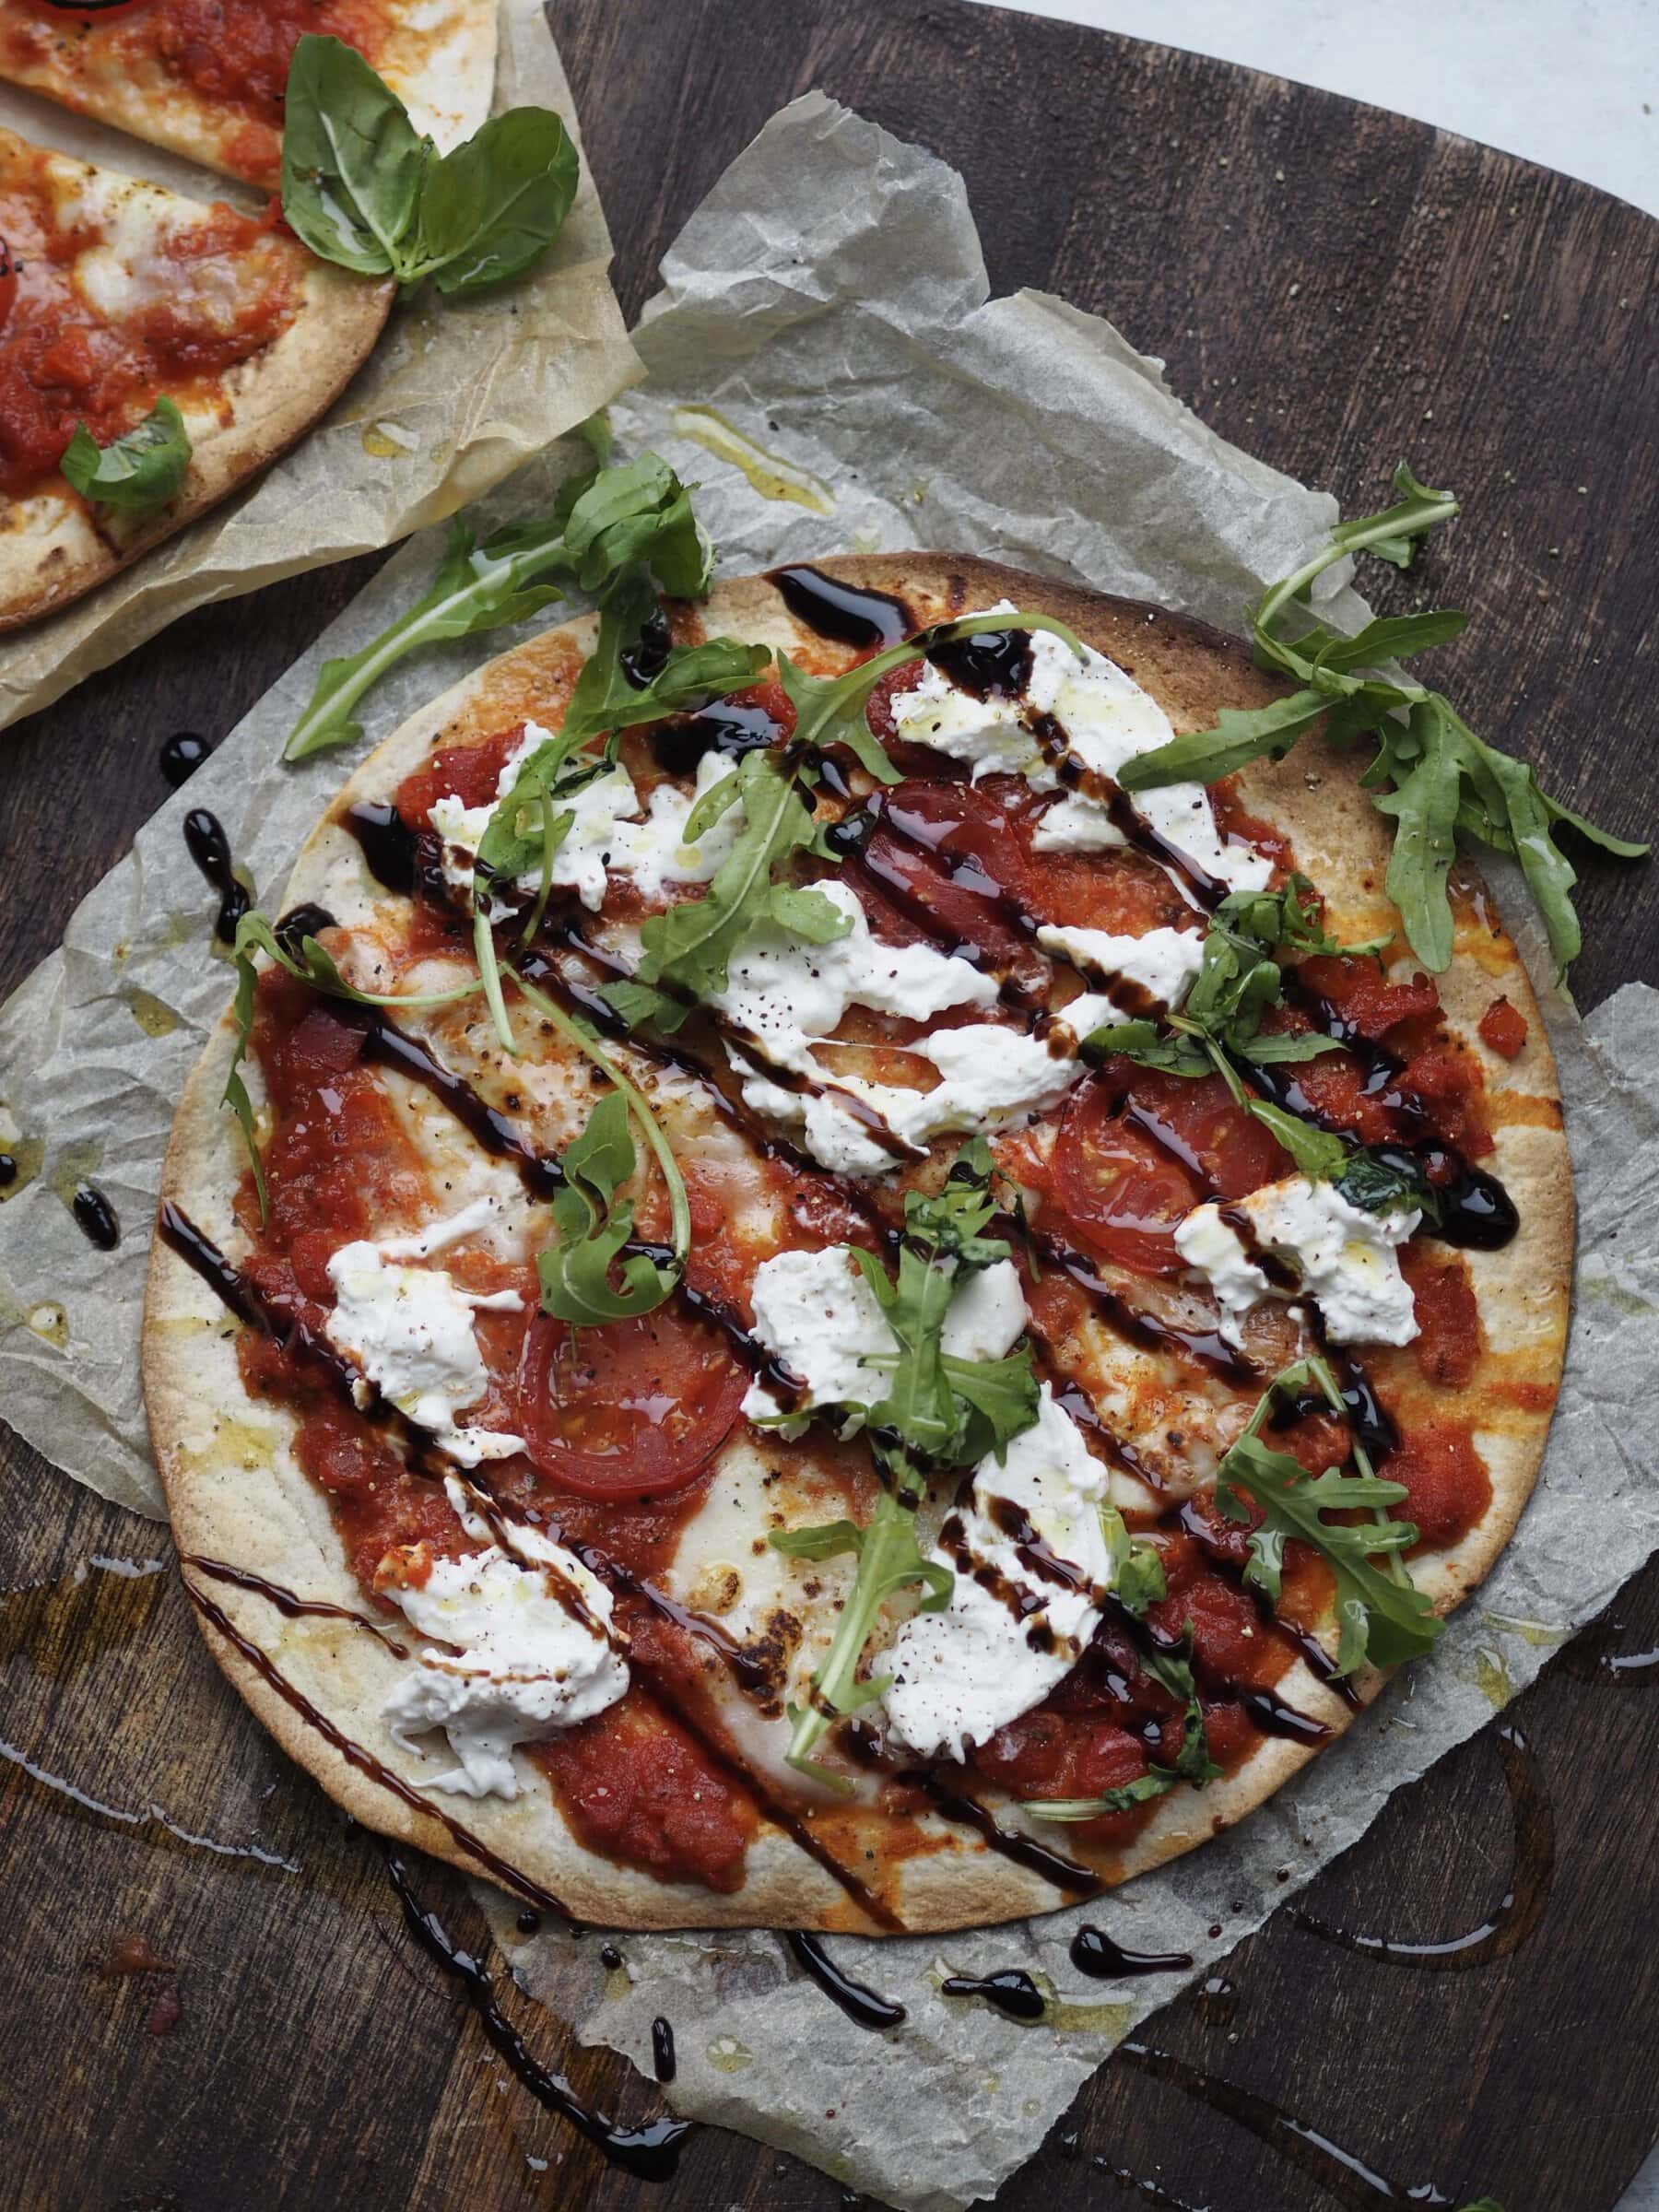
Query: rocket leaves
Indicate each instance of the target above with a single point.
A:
(594, 1225)
(1430, 772)
(613, 524)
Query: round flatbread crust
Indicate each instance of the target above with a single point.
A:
(235, 1493)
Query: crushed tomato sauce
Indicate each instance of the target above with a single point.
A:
(210, 294)
(231, 55)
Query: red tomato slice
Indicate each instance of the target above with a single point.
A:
(1122, 1190)
(951, 850)
(636, 1411)
(1138, 1150)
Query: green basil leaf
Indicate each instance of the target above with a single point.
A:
(137, 473)
(491, 208)
(352, 163)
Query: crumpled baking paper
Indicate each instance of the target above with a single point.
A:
(829, 304)
(456, 395)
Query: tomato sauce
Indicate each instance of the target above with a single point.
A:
(206, 298)
(231, 55)
(1448, 1347)
(1503, 1027)
(1447, 1487)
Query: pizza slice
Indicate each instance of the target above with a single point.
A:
(206, 77)
(155, 353)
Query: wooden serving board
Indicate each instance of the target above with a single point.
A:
(1334, 288)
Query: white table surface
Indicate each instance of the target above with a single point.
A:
(1573, 84)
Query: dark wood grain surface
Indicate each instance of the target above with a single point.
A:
(1333, 287)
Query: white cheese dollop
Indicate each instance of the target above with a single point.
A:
(606, 836)
(528, 1653)
(814, 1311)
(1108, 719)
(961, 1675)
(1348, 1259)
(410, 1331)
(1164, 963)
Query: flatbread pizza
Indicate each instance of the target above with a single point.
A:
(126, 312)
(206, 78)
(843, 1321)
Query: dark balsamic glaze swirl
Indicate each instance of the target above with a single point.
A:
(299, 923)
(865, 619)
(1098, 1955)
(991, 664)
(286, 1602)
(95, 1217)
(390, 845)
(723, 726)
(207, 845)
(1011, 1990)
(181, 755)
(644, 660)
(856, 1999)
(651, 2151)
(663, 2062)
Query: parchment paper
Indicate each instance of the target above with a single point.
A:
(454, 396)
(829, 302)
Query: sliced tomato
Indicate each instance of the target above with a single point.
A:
(633, 1410)
(471, 771)
(1138, 1150)
(947, 854)
(1119, 889)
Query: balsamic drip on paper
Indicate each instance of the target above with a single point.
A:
(95, 1217)
(181, 755)
(1011, 1990)
(856, 1999)
(649, 2151)
(207, 845)
(1098, 1955)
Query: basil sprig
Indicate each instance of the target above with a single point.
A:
(939, 1412)
(1430, 772)
(363, 189)
(137, 474)
(1383, 1619)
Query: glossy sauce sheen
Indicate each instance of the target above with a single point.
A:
(1011, 1990)
(1094, 1953)
(866, 620)
(207, 845)
(856, 1999)
(95, 1217)
(181, 755)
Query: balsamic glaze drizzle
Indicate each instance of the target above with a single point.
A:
(291, 1606)
(1096, 1954)
(856, 1999)
(181, 755)
(841, 611)
(1064, 1873)
(651, 2151)
(95, 1217)
(299, 923)
(390, 846)
(208, 846)
(723, 726)
(663, 2062)
(1011, 1990)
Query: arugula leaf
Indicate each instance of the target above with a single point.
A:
(1155, 1783)
(607, 696)
(594, 1225)
(635, 515)
(1383, 1619)
(363, 190)
(1430, 772)
(490, 210)
(938, 1410)
(832, 709)
(1135, 1567)
(136, 474)
(685, 951)
(889, 1561)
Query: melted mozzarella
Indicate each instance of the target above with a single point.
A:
(410, 1331)
(1108, 719)
(527, 1653)
(961, 1675)
(1348, 1259)
(814, 1311)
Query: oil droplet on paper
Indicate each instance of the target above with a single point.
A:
(387, 441)
(772, 477)
(50, 1322)
(1493, 1677)
(20, 1159)
(727, 2055)
(154, 1017)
